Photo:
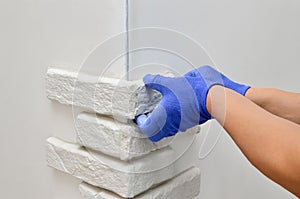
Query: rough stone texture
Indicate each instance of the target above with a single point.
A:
(184, 186)
(107, 96)
(124, 141)
(126, 179)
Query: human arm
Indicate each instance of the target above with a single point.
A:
(271, 143)
(281, 103)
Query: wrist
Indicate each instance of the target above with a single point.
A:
(211, 93)
(208, 101)
(215, 96)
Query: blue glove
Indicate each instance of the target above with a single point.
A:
(183, 104)
(210, 73)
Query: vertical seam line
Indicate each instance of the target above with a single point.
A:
(127, 40)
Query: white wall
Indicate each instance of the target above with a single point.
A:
(35, 34)
(255, 42)
(252, 41)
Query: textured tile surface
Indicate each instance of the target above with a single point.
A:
(126, 179)
(107, 96)
(124, 141)
(184, 186)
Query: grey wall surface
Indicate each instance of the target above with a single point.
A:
(255, 42)
(36, 34)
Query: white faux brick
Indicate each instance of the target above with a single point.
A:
(107, 96)
(124, 141)
(126, 179)
(184, 186)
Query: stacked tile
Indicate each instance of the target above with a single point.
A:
(112, 157)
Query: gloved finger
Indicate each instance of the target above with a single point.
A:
(152, 125)
(141, 119)
(157, 82)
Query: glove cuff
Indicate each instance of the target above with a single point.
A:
(242, 89)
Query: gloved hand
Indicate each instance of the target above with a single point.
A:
(212, 74)
(184, 101)
(183, 104)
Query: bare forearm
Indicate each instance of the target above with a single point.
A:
(269, 142)
(281, 103)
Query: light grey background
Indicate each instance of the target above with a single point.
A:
(255, 42)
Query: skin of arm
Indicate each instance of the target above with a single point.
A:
(271, 143)
(281, 103)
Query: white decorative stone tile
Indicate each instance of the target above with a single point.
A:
(126, 179)
(184, 186)
(107, 96)
(124, 141)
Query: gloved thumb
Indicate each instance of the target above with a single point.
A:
(157, 82)
(152, 124)
(140, 120)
